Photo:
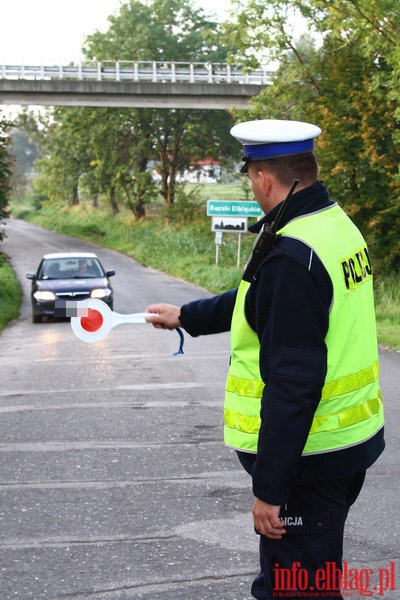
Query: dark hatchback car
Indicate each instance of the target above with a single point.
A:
(68, 276)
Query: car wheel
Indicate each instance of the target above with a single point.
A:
(36, 318)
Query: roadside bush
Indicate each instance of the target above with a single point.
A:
(37, 199)
(10, 293)
(187, 206)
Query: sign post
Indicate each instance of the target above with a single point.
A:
(239, 250)
(218, 242)
(231, 217)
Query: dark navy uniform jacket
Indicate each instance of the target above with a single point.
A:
(287, 305)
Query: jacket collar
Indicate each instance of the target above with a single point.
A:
(308, 200)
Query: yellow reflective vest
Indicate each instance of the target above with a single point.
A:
(350, 410)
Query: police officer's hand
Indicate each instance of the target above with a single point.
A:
(266, 519)
(167, 316)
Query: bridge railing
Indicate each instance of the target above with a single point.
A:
(155, 71)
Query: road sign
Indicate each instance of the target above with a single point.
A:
(229, 224)
(218, 237)
(233, 208)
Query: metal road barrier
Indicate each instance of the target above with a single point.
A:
(136, 71)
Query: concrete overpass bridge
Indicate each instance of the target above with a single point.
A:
(143, 84)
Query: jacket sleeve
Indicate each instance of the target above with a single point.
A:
(208, 315)
(290, 309)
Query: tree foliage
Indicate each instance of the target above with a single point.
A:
(341, 74)
(107, 151)
(171, 30)
(5, 169)
(62, 156)
(24, 152)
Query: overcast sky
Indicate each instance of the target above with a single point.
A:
(35, 31)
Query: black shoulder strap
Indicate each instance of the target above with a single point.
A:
(265, 240)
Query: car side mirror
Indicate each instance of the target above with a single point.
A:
(30, 276)
(110, 273)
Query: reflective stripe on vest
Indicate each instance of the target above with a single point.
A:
(350, 410)
(254, 389)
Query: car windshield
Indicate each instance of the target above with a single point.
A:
(70, 268)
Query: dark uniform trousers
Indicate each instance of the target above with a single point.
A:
(307, 561)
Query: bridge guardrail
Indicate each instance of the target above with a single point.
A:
(136, 71)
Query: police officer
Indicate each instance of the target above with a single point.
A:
(303, 407)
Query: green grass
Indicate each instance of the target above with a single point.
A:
(231, 191)
(188, 250)
(10, 293)
(387, 298)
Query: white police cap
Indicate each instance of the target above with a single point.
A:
(274, 138)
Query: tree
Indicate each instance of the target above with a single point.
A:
(5, 169)
(107, 151)
(185, 137)
(167, 30)
(345, 79)
(97, 151)
(119, 147)
(24, 152)
(64, 155)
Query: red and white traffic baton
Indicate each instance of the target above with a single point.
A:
(92, 320)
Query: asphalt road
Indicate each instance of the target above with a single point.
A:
(114, 481)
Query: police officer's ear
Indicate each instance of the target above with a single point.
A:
(268, 182)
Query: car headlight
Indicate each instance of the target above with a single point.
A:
(100, 293)
(46, 296)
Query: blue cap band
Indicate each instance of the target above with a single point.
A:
(265, 151)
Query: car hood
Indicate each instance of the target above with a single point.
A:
(71, 285)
